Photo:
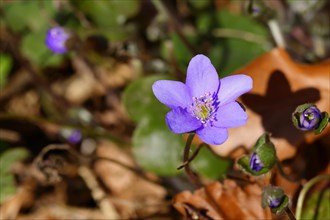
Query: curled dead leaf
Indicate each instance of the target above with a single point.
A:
(222, 201)
(279, 86)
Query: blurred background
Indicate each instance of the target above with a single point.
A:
(81, 134)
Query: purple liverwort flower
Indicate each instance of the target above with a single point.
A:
(204, 103)
(255, 163)
(310, 118)
(55, 40)
(73, 136)
(275, 202)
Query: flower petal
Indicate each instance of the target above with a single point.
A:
(230, 115)
(180, 121)
(212, 135)
(172, 93)
(232, 87)
(201, 76)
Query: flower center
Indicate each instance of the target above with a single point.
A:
(204, 107)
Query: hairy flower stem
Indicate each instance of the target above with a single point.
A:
(190, 173)
(289, 213)
(195, 153)
(304, 191)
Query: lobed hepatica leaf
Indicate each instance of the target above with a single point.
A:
(156, 148)
(140, 101)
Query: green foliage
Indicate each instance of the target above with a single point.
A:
(230, 52)
(6, 63)
(21, 15)
(210, 165)
(323, 124)
(317, 206)
(139, 100)
(108, 14)
(7, 181)
(33, 47)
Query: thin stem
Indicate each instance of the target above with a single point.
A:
(190, 173)
(289, 213)
(192, 156)
(280, 169)
(304, 191)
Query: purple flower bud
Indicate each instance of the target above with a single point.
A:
(73, 136)
(255, 163)
(274, 203)
(310, 118)
(55, 40)
(307, 117)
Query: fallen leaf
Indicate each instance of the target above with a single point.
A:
(222, 201)
(279, 85)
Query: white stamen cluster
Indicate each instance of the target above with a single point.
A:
(203, 108)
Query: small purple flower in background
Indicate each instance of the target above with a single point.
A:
(73, 136)
(55, 40)
(204, 104)
(255, 163)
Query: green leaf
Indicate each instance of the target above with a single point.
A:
(317, 206)
(7, 181)
(5, 67)
(199, 4)
(110, 13)
(20, 15)
(181, 52)
(323, 124)
(231, 53)
(140, 101)
(156, 148)
(33, 47)
(210, 165)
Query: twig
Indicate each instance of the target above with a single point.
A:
(239, 34)
(304, 191)
(98, 193)
(138, 172)
(277, 33)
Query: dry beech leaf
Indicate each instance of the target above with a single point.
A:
(222, 201)
(132, 195)
(279, 86)
(84, 84)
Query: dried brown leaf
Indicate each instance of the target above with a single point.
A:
(222, 201)
(279, 85)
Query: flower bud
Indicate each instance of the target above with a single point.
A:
(55, 40)
(274, 198)
(308, 117)
(73, 136)
(255, 162)
(262, 158)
